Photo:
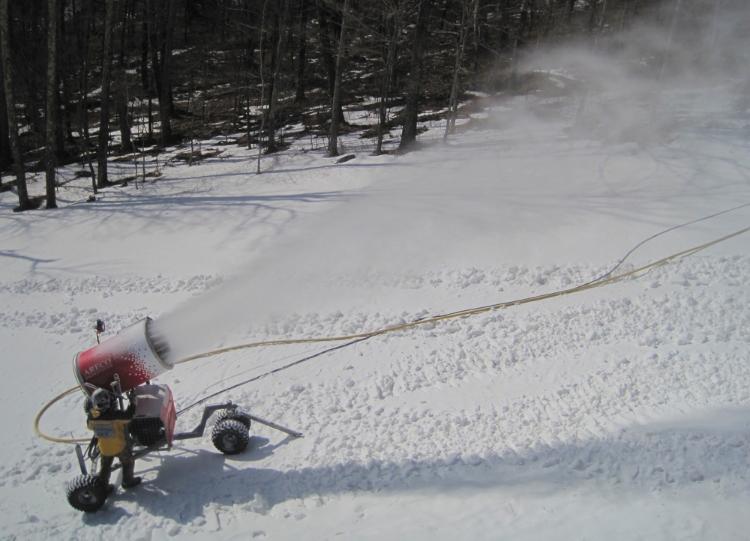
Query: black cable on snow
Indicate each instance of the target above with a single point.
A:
(342, 346)
(660, 233)
(274, 371)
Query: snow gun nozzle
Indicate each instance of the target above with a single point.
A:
(133, 356)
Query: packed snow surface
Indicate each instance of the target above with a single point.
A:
(621, 412)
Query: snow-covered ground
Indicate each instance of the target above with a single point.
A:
(621, 412)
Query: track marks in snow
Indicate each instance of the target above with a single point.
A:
(106, 286)
(581, 390)
(72, 316)
(442, 399)
(601, 428)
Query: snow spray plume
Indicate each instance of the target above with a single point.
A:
(633, 86)
(452, 206)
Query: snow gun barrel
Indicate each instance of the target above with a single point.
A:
(135, 355)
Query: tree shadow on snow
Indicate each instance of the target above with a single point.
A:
(712, 449)
(182, 209)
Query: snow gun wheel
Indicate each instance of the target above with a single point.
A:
(87, 493)
(230, 436)
(237, 415)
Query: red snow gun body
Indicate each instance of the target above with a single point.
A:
(134, 354)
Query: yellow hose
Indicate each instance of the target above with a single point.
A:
(404, 326)
(469, 311)
(48, 405)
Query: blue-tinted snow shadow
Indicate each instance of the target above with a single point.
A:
(190, 199)
(34, 262)
(179, 210)
(189, 209)
(711, 448)
(42, 267)
(301, 169)
(110, 514)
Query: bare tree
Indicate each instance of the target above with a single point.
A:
(165, 100)
(393, 30)
(326, 48)
(63, 69)
(83, 117)
(517, 35)
(122, 92)
(10, 104)
(414, 84)
(326, 45)
(279, 28)
(450, 124)
(102, 179)
(336, 112)
(51, 102)
(299, 96)
(262, 86)
(6, 156)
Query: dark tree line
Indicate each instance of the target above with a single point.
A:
(164, 71)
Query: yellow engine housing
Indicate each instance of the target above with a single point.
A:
(112, 435)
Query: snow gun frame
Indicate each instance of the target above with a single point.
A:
(145, 425)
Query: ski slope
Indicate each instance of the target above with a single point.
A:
(621, 412)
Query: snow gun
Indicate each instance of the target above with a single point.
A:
(131, 417)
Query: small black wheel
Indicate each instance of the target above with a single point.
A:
(236, 414)
(230, 436)
(87, 493)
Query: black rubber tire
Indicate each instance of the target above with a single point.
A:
(237, 415)
(86, 493)
(230, 436)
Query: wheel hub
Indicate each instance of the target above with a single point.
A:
(230, 441)
(87, 496)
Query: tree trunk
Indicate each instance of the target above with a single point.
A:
(249, 22)
(83, 107)
(6, 157)
(155, 80)
(103, 180)
(145, 78)
(122, 16)
(516, 43)
(388, 64)
(61, 86)
(476, 38)
(273, 84)
(67, 123)
(121, 104)
(301, 53)
(325, 45)
(83, 52)
(122, 93)
(414, 85)
(10, 105)
(450, 124)
(262, 67)
(32, 72)
(165, 99)
(51, 119)
(336, 108)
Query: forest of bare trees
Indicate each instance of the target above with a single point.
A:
(164, 71)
